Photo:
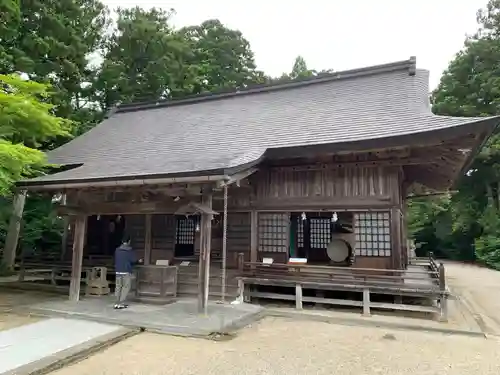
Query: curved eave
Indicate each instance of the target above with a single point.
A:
(490, 126)
(434, 136)
(482, 128)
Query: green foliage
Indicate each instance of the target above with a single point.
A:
(53, 45)
(42, 228)
(470, 87)
(145, 59)
(25, 122)
(299, 70)
(221, 57)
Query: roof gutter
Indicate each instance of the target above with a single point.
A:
(116, 183)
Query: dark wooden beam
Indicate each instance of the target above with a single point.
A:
(322, 203)
(237, 177)
(254, 235)
(147, 239)
(194, 208)
(69, 210)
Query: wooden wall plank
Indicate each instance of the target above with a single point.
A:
(163, 228)
(357, 181)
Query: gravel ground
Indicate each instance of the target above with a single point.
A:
(479, 287)
(10, 300)
(8, 321)
(282, 346)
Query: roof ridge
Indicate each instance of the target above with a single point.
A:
(409, 64)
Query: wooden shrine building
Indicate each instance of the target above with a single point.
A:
(317, 169)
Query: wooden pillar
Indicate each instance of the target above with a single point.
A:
(9, 251)
(206, 242)
(397, 247)
(404, 236)
(443, 301)
(201, 269)
(307, 238)
(254, 236)
(147, 240)
(64, 238)
(224, 249)
(298, 296)
(76, 264)
(366, 302)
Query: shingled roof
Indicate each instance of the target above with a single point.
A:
(220, 133)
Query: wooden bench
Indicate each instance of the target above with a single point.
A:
(60, 271)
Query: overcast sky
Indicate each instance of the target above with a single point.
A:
(337, 34)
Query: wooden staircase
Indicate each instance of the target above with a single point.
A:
(187, 281)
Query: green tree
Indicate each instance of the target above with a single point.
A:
(10, 18)
(53, 44)
(144, 59)
(300, 69)
(222, 57)
(25, 122)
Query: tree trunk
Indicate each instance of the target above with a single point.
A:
(9, 251)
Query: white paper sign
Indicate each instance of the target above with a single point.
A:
(298, 260)
(267, 260)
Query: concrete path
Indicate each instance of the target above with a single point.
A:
(178, 318)
(478, 289)
(34, 346)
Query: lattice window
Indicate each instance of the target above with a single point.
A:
(185, 231)
(373, 234)
(321, 232)
(300, 232)
(273, 232)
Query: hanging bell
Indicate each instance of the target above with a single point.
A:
(303, 216)
(335, 218)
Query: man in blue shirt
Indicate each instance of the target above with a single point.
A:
(125, 259)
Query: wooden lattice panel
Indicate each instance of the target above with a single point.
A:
(274, 232)
(238, 232)
(185, 231)
(135, 227)
(373, 234)
(321, 232)
(163, 231)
